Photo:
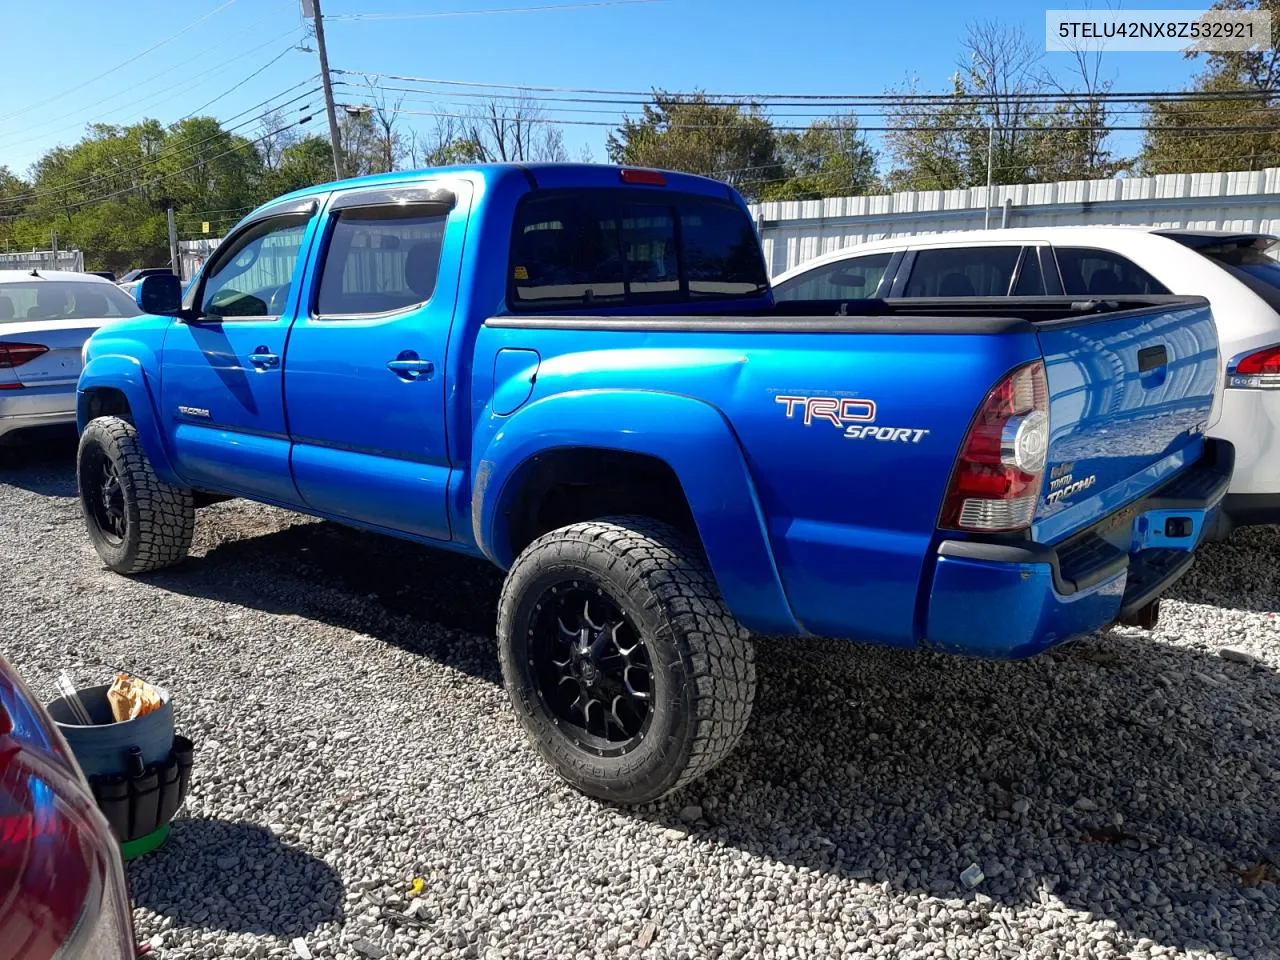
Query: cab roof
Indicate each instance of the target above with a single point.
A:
(537, 174)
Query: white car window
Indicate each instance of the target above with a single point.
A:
(1101, 273)
(962, 272)
(852, 279)
(63, 300)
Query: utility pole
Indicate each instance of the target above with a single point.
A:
(991, 140)
(311, 8)
(53, 244)
(174, 260)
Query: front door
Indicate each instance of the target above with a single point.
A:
(222, 387)
(365, 382)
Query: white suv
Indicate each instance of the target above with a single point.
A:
(1238, 273)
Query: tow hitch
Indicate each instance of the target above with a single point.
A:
(1144, 617)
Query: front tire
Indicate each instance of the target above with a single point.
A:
(136, 521)
(621, 660)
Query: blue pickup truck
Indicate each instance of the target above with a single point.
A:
(579, 373)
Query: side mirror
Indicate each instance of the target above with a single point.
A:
(159, 294)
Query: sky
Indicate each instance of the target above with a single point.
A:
(68, 63)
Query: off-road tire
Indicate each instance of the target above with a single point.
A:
(703, 661)
(160, 518)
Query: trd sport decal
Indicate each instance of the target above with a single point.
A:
(854, 415)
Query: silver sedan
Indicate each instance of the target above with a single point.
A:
(45, 319)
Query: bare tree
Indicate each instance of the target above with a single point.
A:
(385, 118)
(513, 130)
(1084, 106)
(275, 136)
(1003, 67)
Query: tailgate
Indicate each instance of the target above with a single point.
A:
(60, 363)
(1130, 393)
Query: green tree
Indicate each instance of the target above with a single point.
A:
(730, 141)
(306, 163)
(991, 116)
(1244, 83)
(830, 159)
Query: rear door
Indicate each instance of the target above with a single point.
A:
(365, 382)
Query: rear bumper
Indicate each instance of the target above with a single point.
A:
(37, 407)
(1016, 599)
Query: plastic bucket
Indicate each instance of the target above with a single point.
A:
(103, 748)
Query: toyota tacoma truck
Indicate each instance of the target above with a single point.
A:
(579, 373)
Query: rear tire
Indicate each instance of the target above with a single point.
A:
(136, 521)
(621, 660)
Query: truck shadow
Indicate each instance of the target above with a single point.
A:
(1243, 569)
(1123, 777)
(237, 877)
(422, 600)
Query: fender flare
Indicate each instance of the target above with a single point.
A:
(126, 374)
(690, 436)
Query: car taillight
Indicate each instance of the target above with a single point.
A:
(1257, 370)
(64, 895)
(996, 483)
(651, 178)
(16, 354)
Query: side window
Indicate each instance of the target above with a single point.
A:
(1101, 273)
(852, 279)
(962, 272)
(253, 274)
(1030, 276)
(380, 260)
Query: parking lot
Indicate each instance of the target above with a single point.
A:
(1121, 796)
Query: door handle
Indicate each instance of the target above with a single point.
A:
(264, 359)
(408, 366)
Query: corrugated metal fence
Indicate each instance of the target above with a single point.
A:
(43, 260)
(795, 231)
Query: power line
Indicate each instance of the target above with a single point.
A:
(118, 66)
(132, 91)
(165, 96)
(138, 186)
(270, 63)
(855, 99)
(478, 13)
(175, 150)
(945, 128)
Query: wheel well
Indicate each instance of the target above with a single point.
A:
(569, 486)
(107, 402)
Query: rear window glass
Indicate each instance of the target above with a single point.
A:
(1101, 273)
(1259, 258)
(962, 272)
(614, 247)
(63, 300)
(380, 260)
(853, 279)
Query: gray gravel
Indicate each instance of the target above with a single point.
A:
(1120, 798)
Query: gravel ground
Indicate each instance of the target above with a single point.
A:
(1121, 797)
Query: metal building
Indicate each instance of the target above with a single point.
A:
(799, 230)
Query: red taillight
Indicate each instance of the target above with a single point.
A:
(16, 354)
(998, 476)
(1260, 363)
(652, 178)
